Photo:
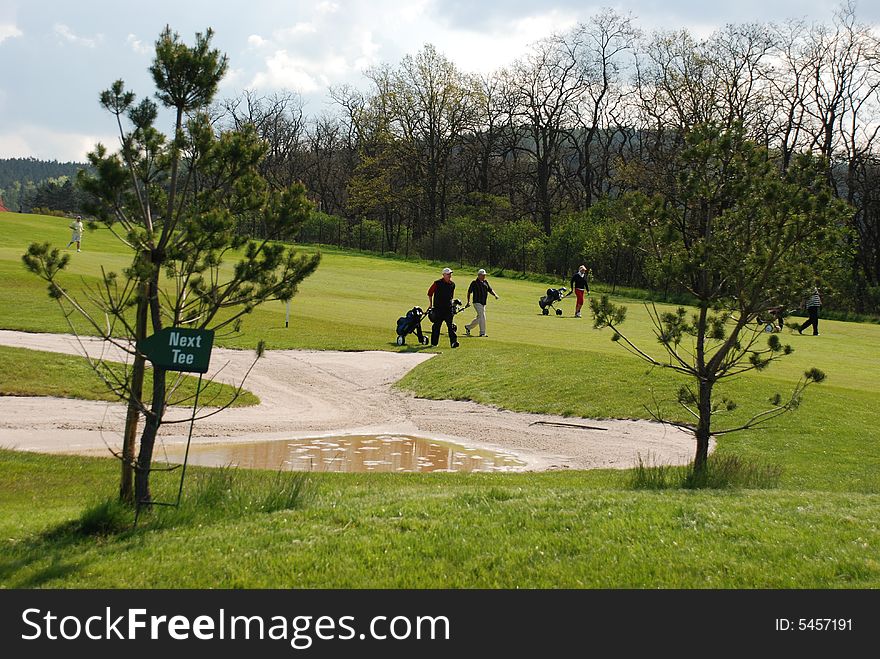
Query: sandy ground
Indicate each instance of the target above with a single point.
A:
(317, 394)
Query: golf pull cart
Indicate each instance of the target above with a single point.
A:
(553, 296)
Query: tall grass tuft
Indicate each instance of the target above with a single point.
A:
(648, 475)
(223, 493)
(731, 471)
(215, 494)
(721, 472)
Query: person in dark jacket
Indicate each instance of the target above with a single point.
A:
(813, 304)
(440, 297)
(580, 282)
(479, 290)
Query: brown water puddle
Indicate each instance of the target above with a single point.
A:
(355, 453)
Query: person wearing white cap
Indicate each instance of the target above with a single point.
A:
(580, 283)
(480, 290)
(440, 297)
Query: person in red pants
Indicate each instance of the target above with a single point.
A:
(580, 283)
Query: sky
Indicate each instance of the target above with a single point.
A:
(57, 56)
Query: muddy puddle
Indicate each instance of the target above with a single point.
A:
(354, 453)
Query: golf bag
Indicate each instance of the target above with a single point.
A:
(547, 301)
(411, 322)
(457, 308)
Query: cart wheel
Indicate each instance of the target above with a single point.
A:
(545, 311)
(400, 340)
(425, 340)
(559, 312)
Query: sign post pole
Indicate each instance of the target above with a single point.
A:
(180, 349)
(192, 420)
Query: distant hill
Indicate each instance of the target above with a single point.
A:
(31, 169)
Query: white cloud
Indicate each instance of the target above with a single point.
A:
(9, 31)
(407, 12)
(256, 41)
(286, 72)
(233, 79)
(297, 30)
(68, 35)
(138, 46)
(369, 55)
(327, 8)
(29, 140)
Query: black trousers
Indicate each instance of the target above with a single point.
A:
(435, 329)
(812, 320)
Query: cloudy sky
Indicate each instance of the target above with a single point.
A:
(57, 56)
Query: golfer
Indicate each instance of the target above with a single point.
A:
(813, 304)
(440, 297)
(580, 282)
(479, 290)
(77, 228)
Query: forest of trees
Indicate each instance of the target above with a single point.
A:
(28, 183)
(531, 168)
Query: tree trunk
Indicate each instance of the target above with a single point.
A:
(703, 426)
(148, 439)
(126, 481)
(543, 185)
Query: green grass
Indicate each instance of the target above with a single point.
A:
(26, 372)
(817, 528)
(549, 530)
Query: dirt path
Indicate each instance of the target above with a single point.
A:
(314, 393)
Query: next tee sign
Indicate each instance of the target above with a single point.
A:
(179, 349)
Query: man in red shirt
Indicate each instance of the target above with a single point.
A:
(440, 297)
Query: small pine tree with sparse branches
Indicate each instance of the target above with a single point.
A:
(178, 205)
(741, 236)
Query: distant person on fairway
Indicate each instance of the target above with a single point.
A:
(440, 297)
(479, 290)
(76, 236)
(580, 283)
(813, 304)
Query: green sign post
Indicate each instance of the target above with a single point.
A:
(179, 349)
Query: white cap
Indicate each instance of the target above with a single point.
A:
(447, 271)
(481, 272)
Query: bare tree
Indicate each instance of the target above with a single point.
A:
(548, 85)
(603, 48)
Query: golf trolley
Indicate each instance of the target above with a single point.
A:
(411, 322)
(553, 296)
(772, 319)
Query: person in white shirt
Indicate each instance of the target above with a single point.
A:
(77, 228)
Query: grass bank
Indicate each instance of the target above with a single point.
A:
(26, 372)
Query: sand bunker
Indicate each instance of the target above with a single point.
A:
(321, 393)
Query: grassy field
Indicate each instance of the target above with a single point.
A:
(26, 372)
(818, 529)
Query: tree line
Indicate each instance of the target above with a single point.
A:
(530, 168)
(30, 183)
